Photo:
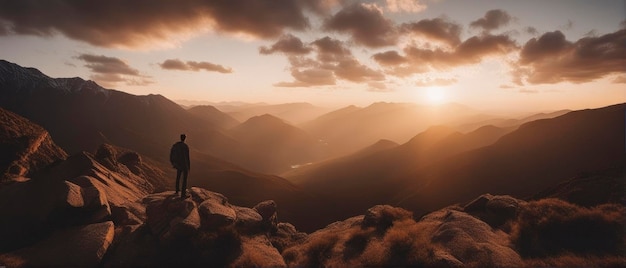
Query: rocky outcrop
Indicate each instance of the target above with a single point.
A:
(202, 229)
(25, 146)
(119, 185)
(80, 246)
(30, 210)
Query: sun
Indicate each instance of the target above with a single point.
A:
(435, 95)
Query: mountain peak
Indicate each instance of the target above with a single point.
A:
(264, 119)
(17, 78)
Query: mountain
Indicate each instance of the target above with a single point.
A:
(273, 146)
(352, 128)
(536, 155)
(509, 122)
(25, 147)
(294, 113)
(367, 178)
(80, 115)
(214, 116)
(440, 166)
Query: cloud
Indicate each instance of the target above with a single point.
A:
(552, 59)
(389, 58)
(420, 59)
(438, 29)
(329, 49)
(470, 51)
(107, 65)
(365, 23)
(109, 71)
(551, 43)
(329, 60)
(619, 80)
(320, 7)
(176, 64)
(287, 44)
(352, 70)
(148, 23)
(492, 20)
(309, 77)
(410, 6)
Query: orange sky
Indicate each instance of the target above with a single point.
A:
(492, 55)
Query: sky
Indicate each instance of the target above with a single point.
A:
(491, 55)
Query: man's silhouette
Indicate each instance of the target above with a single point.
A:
(179, 157)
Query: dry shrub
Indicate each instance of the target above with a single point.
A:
(315, 252)
(550, 226)
(355, 245)
(320, 249)
(406, 243)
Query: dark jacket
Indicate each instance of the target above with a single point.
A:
(179, 156)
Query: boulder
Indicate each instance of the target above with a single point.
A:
(267, 209)
(494, 210)
(170, 218)
(214, 214)
(84, 205)
(470, 240)
(82, 246)
(248, 220)
(199, 195)
(130, 213)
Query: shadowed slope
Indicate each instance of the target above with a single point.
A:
(213, 115)
(272, 146)
(368, 178)
(24, 147)
(537, 155)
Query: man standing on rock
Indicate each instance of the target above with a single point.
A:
(179, 157)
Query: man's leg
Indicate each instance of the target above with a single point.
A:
(184, 190)
(178, 171)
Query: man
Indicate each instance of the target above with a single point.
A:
(179, 157)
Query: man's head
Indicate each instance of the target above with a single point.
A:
(183, 137)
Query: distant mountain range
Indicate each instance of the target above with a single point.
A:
(293, 113)
(439, 166)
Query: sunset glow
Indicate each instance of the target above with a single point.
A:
(529, 55)
(435, 95)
